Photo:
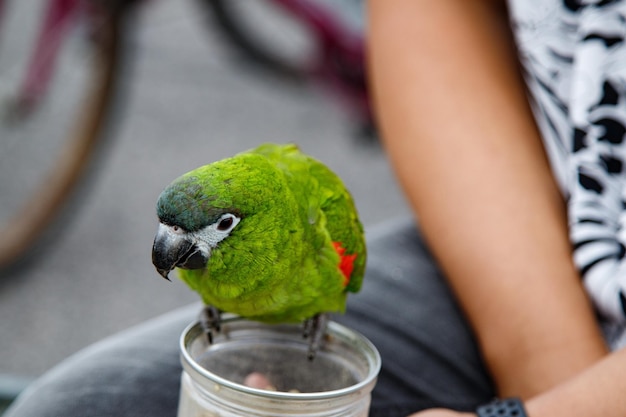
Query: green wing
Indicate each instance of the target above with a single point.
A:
(327, 205)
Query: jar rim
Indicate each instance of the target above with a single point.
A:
(343, 333)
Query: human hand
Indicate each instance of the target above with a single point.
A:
(441, 412)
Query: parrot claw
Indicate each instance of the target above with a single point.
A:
(210, 321)
(315, 329)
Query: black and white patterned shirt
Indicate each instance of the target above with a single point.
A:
(574, 56)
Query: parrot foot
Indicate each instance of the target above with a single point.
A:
(210, 321)
(315, 329)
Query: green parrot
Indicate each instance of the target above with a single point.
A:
(270, 234)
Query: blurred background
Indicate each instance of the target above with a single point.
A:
(187, 100)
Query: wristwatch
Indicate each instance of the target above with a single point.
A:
(508, 407)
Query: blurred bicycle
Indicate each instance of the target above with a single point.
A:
(307, 41)
(59, 65)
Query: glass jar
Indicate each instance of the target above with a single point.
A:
(337, 382)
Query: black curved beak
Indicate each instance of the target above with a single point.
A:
(170, 249)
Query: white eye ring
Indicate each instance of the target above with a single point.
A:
(226, 223)
(209, 237)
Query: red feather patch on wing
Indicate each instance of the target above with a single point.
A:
(346, 262)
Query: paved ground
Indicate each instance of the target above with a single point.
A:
(187, 104)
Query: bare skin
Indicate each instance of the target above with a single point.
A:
(597, 391)
(457, 126)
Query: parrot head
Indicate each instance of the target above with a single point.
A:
(175, 246)
(208, 205)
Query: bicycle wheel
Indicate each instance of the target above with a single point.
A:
(303, 40)
(266, 34)
(47, 141)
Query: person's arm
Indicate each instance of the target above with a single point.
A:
(597, 391)
(456, 123)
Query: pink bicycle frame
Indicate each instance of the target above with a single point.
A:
(341, 54)
(56, 22)
(339, 65)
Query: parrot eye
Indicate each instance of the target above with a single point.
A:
(226, 223)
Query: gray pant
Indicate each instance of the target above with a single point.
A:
(405, 308)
